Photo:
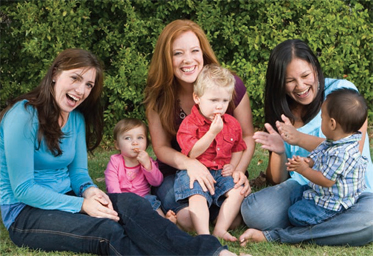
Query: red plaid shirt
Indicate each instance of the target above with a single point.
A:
(219, 153)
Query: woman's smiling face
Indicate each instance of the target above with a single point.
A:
(187, 57)
(301, 81)
(72, 87)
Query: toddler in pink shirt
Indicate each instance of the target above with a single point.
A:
(133, 170)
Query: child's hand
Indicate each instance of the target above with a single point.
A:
(144, 159)
(228, 170)
(297, 164)
(216, 125)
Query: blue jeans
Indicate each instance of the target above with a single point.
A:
(304, 212)
(154, 202)
(140, 231)
(222, 186)
(165, 192)
(267, 210)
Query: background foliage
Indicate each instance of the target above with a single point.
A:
(123, 34)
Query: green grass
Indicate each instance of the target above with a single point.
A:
(97, 165)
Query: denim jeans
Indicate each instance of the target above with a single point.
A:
(222, 186)
(304, 212)
(140, 231)
(267, 210)
(166, 193)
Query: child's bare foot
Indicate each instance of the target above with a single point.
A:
(225, 235)
(171, 216)
(252, 235)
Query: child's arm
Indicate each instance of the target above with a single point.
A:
(111, 176)
(203, 143)
(153, 175)
(302, 165)
(228, 169)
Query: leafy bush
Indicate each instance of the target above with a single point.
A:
(123, 34)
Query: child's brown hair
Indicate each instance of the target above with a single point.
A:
(127, 124)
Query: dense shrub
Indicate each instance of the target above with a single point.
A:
(123, 34)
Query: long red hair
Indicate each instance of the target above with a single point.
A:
(161, 89)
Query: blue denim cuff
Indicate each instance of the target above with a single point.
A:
(84, 187)
(218, 251)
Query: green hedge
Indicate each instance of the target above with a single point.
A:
(123, 34)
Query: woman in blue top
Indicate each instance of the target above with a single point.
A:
(295, 90)
(48, 200)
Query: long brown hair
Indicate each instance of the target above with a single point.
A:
(42, 99)
(161, 89)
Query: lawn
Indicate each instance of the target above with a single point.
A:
(97, 165)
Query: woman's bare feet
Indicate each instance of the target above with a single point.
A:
(225, 235)
(171, 216)
(252, 235)
(228, 253)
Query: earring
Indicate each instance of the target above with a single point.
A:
(53, 81)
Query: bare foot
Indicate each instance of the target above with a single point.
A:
(228, 253)
(252, 235)
(171, 216)
(225, 235)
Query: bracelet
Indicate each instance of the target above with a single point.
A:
(84, 187)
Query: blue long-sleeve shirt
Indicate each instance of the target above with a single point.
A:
(33, 176)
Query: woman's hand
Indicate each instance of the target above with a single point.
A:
(97, 204)
(198, 172)
(240, 179)
(270, 140)
(287, 131)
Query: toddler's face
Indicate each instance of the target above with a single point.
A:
(130, 142)
(214, 101)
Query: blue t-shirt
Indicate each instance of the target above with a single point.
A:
(314, 128)
(33, 176)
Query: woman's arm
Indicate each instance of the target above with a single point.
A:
(165, 153)
(244, 116)
(20, 136)
(78, 168)
(292, 136)
(272, 141)
(363, 131)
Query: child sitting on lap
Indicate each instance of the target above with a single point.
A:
(335, 168)
(215, 139)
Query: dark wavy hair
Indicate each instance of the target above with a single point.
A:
(42, 99)
(276, 101)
